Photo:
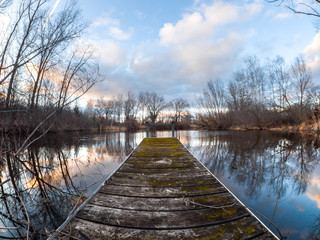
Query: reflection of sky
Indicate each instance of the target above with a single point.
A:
(66, 166)
(293, 210)
(87, 164)
(313, 191)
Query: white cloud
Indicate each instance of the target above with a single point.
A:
(313, 48)
(112, 27)
(110, 53)
(117, 33)
(205, 21)
(282, 15)
(204, 44)
(105, 21)
(201, 45)
(199, 63)
(296, 38)
(312, 54)
(140, 15)
(187, 29)
(4, 21)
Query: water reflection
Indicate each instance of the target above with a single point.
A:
(276, 174)
(50, 177)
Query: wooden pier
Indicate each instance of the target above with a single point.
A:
(163, 192)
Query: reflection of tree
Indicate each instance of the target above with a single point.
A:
(48, 178)
(31, 199)
(315, 231)
(258, 159)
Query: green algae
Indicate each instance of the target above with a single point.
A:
(160, 147)
(215, 199)
(219, 213)
(249, 230)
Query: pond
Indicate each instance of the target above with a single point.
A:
(277, 175)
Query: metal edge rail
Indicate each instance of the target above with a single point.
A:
(233, 195)
(70, 217)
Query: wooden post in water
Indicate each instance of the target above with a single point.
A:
(159, 124)
(147, 129)
(172, 127)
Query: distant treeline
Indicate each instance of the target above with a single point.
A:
(133, 110)
(273, 95)
(259, 96)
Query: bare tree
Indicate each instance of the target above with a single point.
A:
(142, 105)
(106, 106)
(307, 7)
(279, 81)
(256, 80)
(239, 91)
(247, 96)
(91, 109)
(302, 82)
(179, 105)
(4, 4)
(34, 40)
(30, 16)
(56, 35)
(131, 106)
(79, 74)
(118, 107)
(154, 104)
(213, 103)
(31, 52)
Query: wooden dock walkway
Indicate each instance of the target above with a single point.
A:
(163, 192)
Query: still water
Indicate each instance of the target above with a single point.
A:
(276, 174)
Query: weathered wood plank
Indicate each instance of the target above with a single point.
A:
(162, 220)
(143, 182)
(158, 165)
(186, 191)
(181, 170)
(250, 229)
(164, 160)
(152, 196)
(162, 176)
(161, 204)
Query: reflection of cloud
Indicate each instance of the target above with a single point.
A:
(300, 208)
(88, 165)
(313, 191)
(315, 181)
(314, 194)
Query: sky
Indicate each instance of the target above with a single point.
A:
(174, 47)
